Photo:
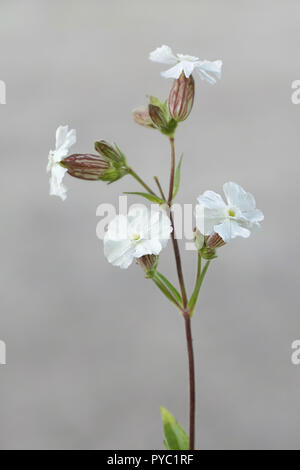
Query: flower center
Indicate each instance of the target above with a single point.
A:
(231, 213)
(135, 237)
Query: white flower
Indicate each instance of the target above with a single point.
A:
(141, 232)
(64, 140)
(238, 217)
(186, 63)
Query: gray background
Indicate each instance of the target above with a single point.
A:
(93, 351)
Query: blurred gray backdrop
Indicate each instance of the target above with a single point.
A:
(93, 351)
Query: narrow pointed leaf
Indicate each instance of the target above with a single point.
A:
(166, 445)
(177, 178)
(175, 436)
(150, 197)
(170, 286)
(165, 291)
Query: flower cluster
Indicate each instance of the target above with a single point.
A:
(137, 235)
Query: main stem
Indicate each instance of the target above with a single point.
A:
(173, 235)
(189, 340)
(186, 313)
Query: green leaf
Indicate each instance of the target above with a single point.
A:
(166, 445)
(177, 177)
(176, 437)
(170, 286)
(164, 290)
(150, 197)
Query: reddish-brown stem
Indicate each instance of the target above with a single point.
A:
(178, 263)
(186, 313)
(172, 173)
(188, 331)
(174, 239)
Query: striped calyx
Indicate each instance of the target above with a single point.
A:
(181, 97)
(85, 166)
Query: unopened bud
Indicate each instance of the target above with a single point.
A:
(142, 117)
(158, 117)
(148, 263)
(181, 97)
(85, 166)
(110, 153)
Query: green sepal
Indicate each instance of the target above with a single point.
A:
(170, 128)
(175, 436)
(208, 253)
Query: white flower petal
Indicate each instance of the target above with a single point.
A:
(147, 247)
(190, 58)
(56, 186)
(230, 229)
(163, 55)
(209, 70)
(210, 211)
(188, 68)
(118, 228)
(254, 216)
(159, 227)
(64, 140)
(212, 200)
(61, 135)
(173, 72)
(236, 196)
(119, 253)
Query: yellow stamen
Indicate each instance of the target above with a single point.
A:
(135, 237)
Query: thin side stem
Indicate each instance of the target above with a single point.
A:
(189, 340)
(200, 278)
(160, 188)
(142, 182)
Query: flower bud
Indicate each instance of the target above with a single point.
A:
(157, 116)
(181, 97)
(110, 153)
(148, 263)
(142, 117)
(85, 166)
